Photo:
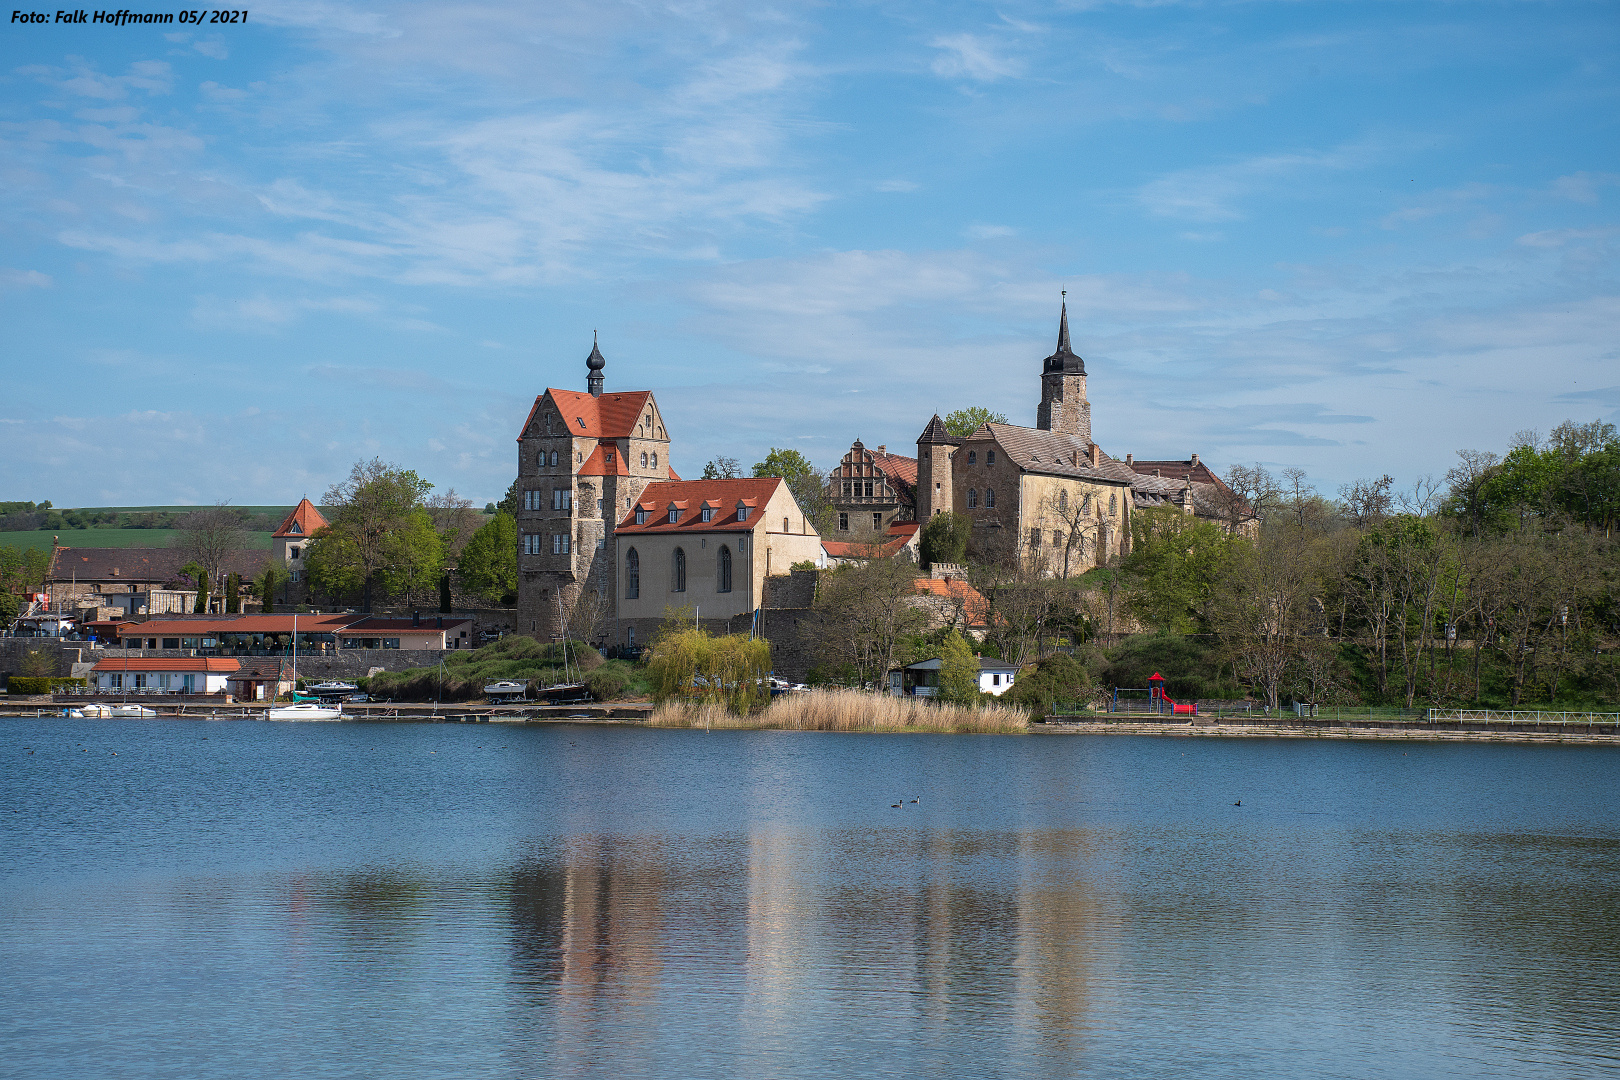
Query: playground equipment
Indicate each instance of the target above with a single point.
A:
(1157, 699)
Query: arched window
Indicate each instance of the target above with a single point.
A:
(632, 575)
(973, 457)
(989, 457)
(973, 497)
(655, 461)
(1085, 502)
(643, 461)
(679, 570)
(724, 568)
(1063, 502)
(1113, 505)
(989, 496)
(554, 457)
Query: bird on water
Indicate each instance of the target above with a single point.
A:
(1238, 803)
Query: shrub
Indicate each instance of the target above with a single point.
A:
(35, 684)
(1056, 679)
(607, 684)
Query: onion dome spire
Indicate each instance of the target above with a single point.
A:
(595, 362)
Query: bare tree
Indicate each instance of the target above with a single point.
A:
(1080, 527)
(866, 609)
(454, 519)
(209, 538)
(1252, 495)
(1367, 502)
(1466, 481)
(1263, 609)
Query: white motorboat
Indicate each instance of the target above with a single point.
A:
(97, 709)
(506, 688)
(333, 689)
(305, 710)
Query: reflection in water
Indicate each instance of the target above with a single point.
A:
(674, 905)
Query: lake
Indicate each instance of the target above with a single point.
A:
(246, 899)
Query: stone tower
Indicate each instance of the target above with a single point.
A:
(583, 459)
(934, 448)
(1063, 405)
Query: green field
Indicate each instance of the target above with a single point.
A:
(95, 538)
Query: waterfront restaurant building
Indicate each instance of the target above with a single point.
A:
(272, 635)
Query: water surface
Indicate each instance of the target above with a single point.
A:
(244, 899)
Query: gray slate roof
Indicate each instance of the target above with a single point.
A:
(1052, 453)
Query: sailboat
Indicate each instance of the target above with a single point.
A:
(302, 710)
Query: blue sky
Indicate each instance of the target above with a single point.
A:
(1351, 237)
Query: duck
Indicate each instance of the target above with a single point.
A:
(1238, 803)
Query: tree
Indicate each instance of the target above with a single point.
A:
(379, 535)
(1251, 494)
(807, 483)
(964, 422)
(266, 587)
(446, 605)
(509, 502)
(488, 564)
(1367, 502)
(945, 538)
(687, 662)
(1261, 609)
(199, 577)
(208, 538)
(454, 519)
(233, 594)
(866, 609)
(958, 671)
(723, 468)
(1177, 559)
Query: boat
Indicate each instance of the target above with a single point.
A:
(305, 710)
(506, 688)
(98, 710)
(333, 689)
(565, 694)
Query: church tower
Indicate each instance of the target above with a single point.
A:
(1063, 405)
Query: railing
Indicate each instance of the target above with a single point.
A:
(1522, 716)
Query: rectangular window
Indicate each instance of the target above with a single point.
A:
(556, 544)
(674, 515)
(293, 553)
(868, 487)
(877, 519)
(742, 513)
(641, 516)
(843, 523)
(556, 498)
(1035, 539)
(707, 513)
(600, 543)
(598, 506)
(171, 643)
(115, 681)
(531, 500)
(296, 575)
(989, 457)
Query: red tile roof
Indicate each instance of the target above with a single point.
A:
(689, 497)
(236, 624)
(611, 416)
(893, 465)
(974, 604)
(169, 663)
(597, 463)
(907, 529)
(305, 516)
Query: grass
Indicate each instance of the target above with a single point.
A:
(107, 538)
(846, 710)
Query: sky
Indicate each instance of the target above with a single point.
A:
(1352, 238)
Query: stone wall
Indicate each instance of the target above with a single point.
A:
(345, 664)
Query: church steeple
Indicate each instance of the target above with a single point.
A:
(1063, 404)
(1064, 359)
(595, 362)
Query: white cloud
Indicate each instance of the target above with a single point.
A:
(970, 56)
(23, 279)
(1214, 192)
(989, 232)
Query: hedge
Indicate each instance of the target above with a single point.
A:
(28, 684)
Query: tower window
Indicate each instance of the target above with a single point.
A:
(989, 496)
(655, 461)
(643, 461)
(973, 497)
(973, 457)
(989, 457)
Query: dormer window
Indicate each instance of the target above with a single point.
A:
(296, 529)
(641, 516)
(742, 512)
(707, 513)
(674, 515)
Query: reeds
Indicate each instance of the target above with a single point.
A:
(847, 710)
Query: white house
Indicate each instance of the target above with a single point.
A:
(922, 679)
(165, 674)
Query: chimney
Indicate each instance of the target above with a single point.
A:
(883, 449)
(416, 618)
(1096, 455)
(1130, 459)
(1195, 461)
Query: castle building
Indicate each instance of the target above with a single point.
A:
(291, 539)
(872, 489)
(583, 460)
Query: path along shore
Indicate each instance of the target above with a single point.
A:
(1297, 728)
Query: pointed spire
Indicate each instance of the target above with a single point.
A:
(1064, 358)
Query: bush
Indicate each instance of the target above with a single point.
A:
(1056, 679)
(607, 684)
(1191, 668)
(33, 684)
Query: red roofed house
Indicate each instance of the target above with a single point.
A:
(290, 538)
(583, 459)
(708, 545)
(175, 674)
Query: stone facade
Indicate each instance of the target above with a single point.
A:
(583, 460)
(870, 490)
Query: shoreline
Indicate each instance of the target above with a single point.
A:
(1403, 731)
